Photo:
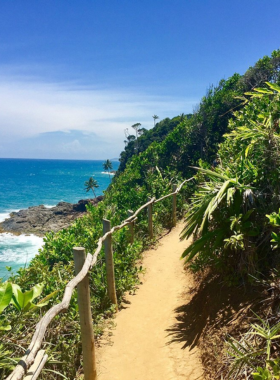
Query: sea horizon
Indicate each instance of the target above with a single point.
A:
(58, 159)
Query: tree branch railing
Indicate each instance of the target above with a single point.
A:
(24, 369)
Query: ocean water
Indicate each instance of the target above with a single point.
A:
(30, 182)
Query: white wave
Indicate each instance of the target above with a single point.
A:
(6, 215)
(3, 216)
(49, 206)
(19, 249)
(107, 173)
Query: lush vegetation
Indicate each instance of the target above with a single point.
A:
(143, 138)
(235, 221)
(235, 187)
(228, 210)
(53, 267)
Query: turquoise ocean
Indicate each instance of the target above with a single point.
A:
(31, 182)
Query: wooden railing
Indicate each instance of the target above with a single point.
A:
(31, 364)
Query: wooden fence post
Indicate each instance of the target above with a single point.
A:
(150, 219)
(109, 263)
(131, 227)
(34, 371)
(90, 372)
(174, 206)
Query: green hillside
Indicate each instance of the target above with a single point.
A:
(236, 185)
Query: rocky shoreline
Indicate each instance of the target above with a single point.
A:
(39, 220)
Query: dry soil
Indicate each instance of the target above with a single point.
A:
(141, 346)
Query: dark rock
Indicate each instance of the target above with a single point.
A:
(81, 205)
(39, 219)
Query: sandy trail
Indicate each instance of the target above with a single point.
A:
(140, 347)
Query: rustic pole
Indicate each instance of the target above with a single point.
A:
(90, 372)
(131, 227)
(150, 219)
(174, 205)
(109, 263)
(36, 368)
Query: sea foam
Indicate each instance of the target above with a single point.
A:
(20, 249)
(6, 214)
(3, 216)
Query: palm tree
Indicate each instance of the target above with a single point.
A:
(136, 128)
(91, 184)
(107, 165)
(155, 117)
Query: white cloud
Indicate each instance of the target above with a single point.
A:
(30, 108)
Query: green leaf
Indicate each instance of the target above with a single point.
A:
(23, 301)
(17, 298)
(214, 203)
(5, 328)
(247, 150)
(211, 173)
(6, 293)
(254, 95)
(197, 246)
(248, 214)
(230, 194)
(45, 300)
(274, 86)
(263, 90)
(37, 290)
(27, 299)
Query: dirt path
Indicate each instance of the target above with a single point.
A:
(141, 347)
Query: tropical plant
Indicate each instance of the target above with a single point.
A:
(155, 117)
(254, 349)
(23, 301)
(107, 165)
(91, 184)
(6, 362)
(219, 217)
(12, 294)
(274, 221)
(268, 373)
(136, 128)
(227, 214)
(6, 293)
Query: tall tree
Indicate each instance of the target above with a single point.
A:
(91, 184)
(155, 117)
(107, 165)
(136, 128)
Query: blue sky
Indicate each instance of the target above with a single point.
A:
(74, 74)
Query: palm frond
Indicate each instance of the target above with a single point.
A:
(198, 245)
(211, 173)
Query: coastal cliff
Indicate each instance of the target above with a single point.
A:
(39, 220)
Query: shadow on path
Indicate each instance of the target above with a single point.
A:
(211, 304)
